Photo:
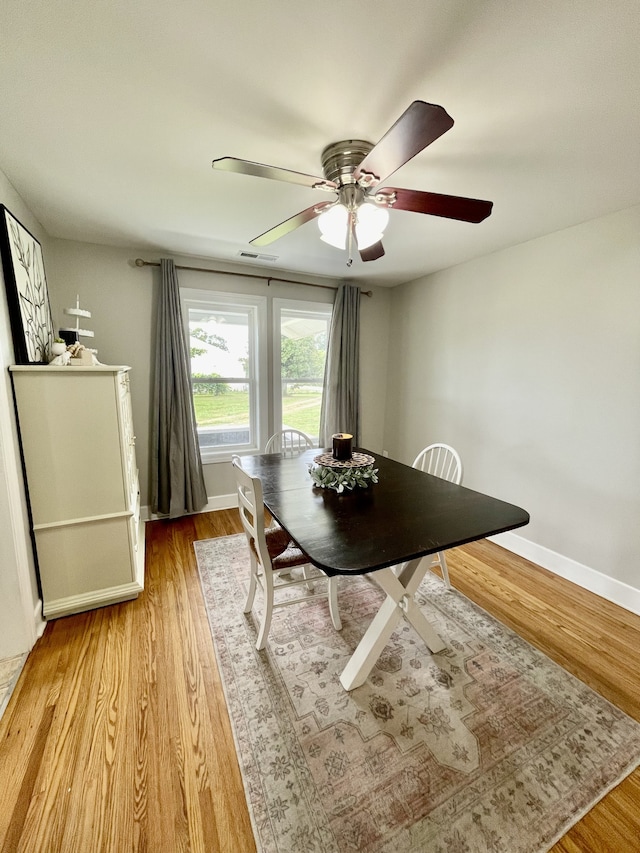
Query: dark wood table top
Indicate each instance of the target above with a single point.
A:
(407, 514)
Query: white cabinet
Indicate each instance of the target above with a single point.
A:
(78, 445)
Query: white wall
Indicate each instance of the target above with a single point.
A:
(528, 361)
(20, 620)
(120, 297)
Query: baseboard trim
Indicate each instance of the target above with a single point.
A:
(92, 600)
(213, 504)
(221, 502)
(606, 587)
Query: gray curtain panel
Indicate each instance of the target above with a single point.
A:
(340, 411)
(177, 481)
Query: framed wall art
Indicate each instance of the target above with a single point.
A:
(27, 292)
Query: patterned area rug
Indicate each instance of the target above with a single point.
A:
(487, 746)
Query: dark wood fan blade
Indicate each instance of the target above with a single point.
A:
(416, 128)
(247, 167)
(372, 253)
(290, 225)
(449, 206)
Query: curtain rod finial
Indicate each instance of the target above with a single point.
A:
(139, 262)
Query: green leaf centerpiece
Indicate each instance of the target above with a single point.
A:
(357, 472)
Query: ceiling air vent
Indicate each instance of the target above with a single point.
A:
(257, 256)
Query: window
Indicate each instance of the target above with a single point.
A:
(301, 331)
(239, 402)
(227, 345)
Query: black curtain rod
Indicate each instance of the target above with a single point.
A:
(268, 278)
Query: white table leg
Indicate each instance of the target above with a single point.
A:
(409, 578)
(399, 602)
(371, 645)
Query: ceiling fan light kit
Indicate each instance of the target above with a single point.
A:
(333, 224)
(368, 220)
(356, 171)
(370, 224)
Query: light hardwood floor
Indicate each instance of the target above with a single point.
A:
(117, 738)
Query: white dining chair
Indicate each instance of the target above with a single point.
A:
(273, 554)
(290, 442)
(442, 461)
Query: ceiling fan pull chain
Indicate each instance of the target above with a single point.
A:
(350, 238)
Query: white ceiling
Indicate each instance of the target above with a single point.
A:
(111, 113)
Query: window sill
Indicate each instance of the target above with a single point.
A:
(225, 455)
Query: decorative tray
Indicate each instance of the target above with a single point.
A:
(358, 460)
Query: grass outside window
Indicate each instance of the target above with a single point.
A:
(300, 410)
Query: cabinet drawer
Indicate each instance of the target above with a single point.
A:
(85, 557)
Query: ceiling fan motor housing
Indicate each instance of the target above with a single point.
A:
(340, 159)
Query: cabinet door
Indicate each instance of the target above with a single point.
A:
(72, 439)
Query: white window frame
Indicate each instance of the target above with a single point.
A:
(300, 307)
(257, 380)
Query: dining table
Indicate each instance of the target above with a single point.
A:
(383, 531)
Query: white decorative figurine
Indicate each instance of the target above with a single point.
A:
(75, 354)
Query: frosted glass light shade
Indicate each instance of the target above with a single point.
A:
(333, 224)
(371, 221)
(370, 224)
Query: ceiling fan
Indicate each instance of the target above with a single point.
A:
(355, 171)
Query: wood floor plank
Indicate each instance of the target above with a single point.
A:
(232, 823)
(107, 747)
(146, 792)
(189, 716)
(52, 810)
(117, 736)
(22, 727)
(170, 790)
(18, 816)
